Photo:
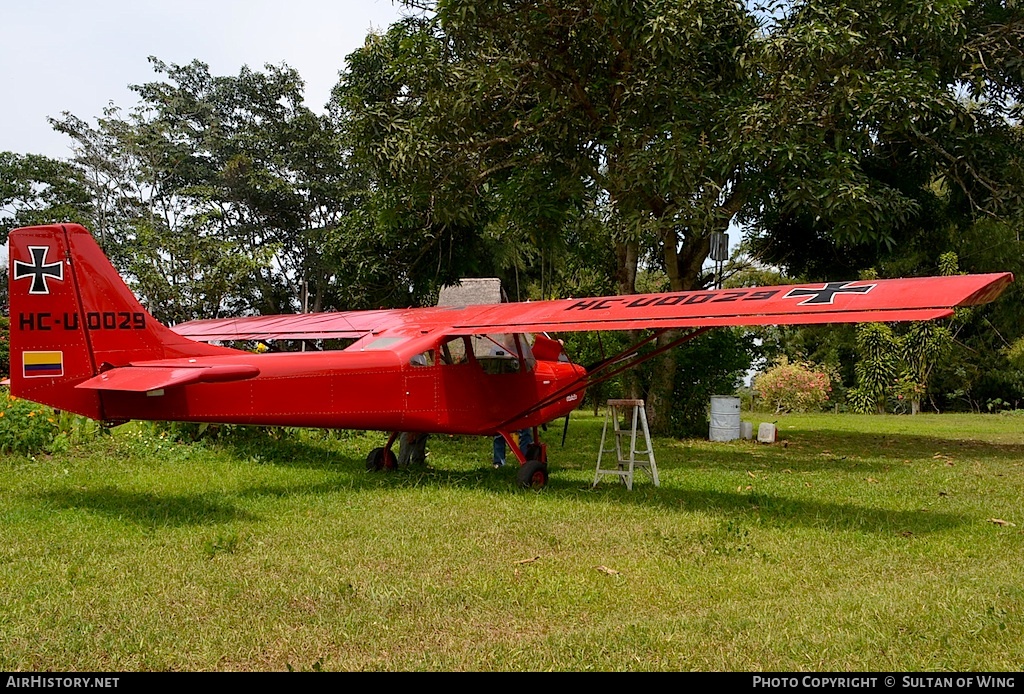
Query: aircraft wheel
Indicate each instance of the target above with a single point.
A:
(534, 452)
(381, 458)
(532, 475)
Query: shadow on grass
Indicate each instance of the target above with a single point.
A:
(824, 451)
(903, 444)
(809, 451)
(286, 452)
(772, 509)
(175, 510)
(846, 452)
(782, 511)
(149, 509)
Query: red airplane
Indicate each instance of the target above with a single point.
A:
(81, 342)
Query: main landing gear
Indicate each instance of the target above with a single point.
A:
(532, 472)
(533, 467)
(381, 458)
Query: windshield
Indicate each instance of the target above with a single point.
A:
(503, 352)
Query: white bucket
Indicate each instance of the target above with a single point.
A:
(766, 432)
(725, 418)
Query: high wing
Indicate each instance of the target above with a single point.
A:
(302, 326)
(921, 298)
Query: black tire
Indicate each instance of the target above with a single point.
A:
(533, 474)
(381, 458)
(534, 452)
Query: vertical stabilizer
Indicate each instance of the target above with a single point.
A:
(73, 316)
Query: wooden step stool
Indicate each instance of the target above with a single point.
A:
(626, 465)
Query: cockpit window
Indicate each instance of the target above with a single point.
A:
(502, 353)
(524, 340)
(423, 359)
(496, 353)
(494, 346)
(454, 351)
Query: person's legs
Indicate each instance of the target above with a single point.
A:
(404, 449)
(525, 439)
(499, 451)
(419, 450)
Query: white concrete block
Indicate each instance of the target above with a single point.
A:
(766, 432)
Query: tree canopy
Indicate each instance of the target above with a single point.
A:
(833, 130)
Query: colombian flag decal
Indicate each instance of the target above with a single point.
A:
(40, 364)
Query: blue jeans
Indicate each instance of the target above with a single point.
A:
(525, 439)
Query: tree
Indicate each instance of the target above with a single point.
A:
(669, 119)
(39, 190)
(977, 371)
(877, 369)
(898, 365)
(552, 109)
(956, 165)
(218, 195)
(150, 224)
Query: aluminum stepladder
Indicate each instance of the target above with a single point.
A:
(626, 465)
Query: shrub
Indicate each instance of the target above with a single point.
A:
(793, 387)
(712, 364)
(190, 432)
(5, 345)
(28, 427)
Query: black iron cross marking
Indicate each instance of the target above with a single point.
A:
(38, 270)
(826, 294)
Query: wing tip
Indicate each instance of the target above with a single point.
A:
(990, 291)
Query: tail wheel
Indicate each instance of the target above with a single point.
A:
(381, 458)
(532, 475)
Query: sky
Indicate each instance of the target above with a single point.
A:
(79, 56)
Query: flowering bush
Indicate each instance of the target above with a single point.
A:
(794, 386)
(27, 427)
(906, 391)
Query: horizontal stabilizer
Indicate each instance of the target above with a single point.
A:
(141, 379)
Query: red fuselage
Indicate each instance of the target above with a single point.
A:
(379, 390)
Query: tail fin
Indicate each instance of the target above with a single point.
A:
(73, 316)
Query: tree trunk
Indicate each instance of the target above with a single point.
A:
(627, 256)
(658, 403)
(684, 267)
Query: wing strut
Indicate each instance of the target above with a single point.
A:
(611, 367)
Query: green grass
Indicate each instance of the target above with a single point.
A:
(855, 543)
